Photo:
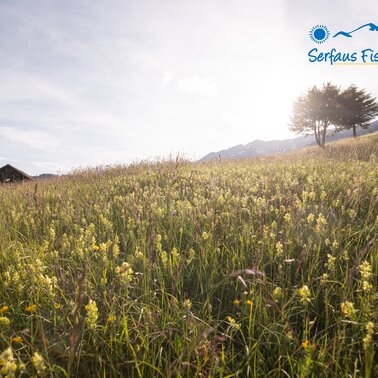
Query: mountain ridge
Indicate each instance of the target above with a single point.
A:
(276, 147)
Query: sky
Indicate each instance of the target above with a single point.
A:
(97, 82)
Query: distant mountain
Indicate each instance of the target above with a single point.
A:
(44, 176)
(274, 147)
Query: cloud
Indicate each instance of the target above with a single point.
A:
(32, 138)
(84, 83)
(198, 85)
(21, 86)
(167, 78)
(49, 166)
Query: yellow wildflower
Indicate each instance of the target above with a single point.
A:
(330, 264)
(345, 256)
(368, 339)
(324, 278)
(16, 339)
(233, 323)
(310, 218)
(367, 286)
(351, 213)
(287, 218)
(192, 255)
(115, 250)
(164, 257)
(277, 293)
(290, 336)
(205, 235)
(236, 302)
(52, 234)
(335, 244)
(125, 272)
(4, 309)
(4, 321)
(348, 310)
(279, 248)
(175, 254)
(38, 363)
(31, 308)
(249, 302)
(158, 239)
(320, 222)
(305, 344)
(365, 270)
(92, 314)
(138, 254)
(323, 195)
(111, 318)
(187, 304)
(305, 293)
(7, 364)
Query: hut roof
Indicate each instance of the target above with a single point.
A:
(7, 166)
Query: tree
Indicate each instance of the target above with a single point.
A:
(316, 111)
(357, 108)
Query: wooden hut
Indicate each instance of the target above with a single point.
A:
(9, 173)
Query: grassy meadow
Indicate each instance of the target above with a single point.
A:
(263, 267)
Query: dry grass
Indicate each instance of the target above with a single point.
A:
(252, 268)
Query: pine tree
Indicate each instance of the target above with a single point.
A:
(316, 111)
(357, 109)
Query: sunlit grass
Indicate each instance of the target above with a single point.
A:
(265, 267)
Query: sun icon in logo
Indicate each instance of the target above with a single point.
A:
(319, 33)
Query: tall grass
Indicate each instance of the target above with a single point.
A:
(253, 268)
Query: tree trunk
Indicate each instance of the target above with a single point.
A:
(354, 131)
(324, 132)
(317, 137)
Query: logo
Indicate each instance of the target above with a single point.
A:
(320, 34)
(371, 26)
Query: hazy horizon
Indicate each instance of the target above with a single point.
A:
(85, 83)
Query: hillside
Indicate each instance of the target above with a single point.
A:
(273, 147)
(363, 148)
(261, 267)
